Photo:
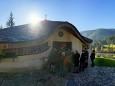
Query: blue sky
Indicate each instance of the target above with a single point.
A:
(84, 14)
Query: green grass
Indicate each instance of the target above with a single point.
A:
(104, 62)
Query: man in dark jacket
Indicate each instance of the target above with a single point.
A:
(82, 60)
(92, 57)
(86, 58)
(76, 61)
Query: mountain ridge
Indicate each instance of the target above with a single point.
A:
(98, 34)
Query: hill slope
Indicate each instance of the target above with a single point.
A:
(98, 33)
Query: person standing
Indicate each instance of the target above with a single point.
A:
(82, 60)
(86, 58)
(76, 61)
(92, 57)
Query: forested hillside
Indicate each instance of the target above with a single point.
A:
(98, 33)
(107, 41)
(100, 37)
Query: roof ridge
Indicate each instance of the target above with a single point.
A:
(20, 31)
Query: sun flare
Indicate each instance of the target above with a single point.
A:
(34, 19)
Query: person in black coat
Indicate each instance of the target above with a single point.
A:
(92, 57)
(86, 58)
(76, 61)
(82, 60)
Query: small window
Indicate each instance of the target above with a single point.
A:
(60, 34)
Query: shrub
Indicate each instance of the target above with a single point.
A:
(1, 57)
(8, 55)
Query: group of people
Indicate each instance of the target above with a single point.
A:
(81, 61)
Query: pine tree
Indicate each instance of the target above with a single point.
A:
(10, 22)
(1, 27)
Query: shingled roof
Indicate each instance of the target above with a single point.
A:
(42, 30)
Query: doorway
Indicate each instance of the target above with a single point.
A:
(62, 45)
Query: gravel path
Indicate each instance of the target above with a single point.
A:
(92, 76)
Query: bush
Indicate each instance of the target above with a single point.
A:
(1, 57)
(8, 55)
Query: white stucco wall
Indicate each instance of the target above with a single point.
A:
(22, 63)
(67, 37)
